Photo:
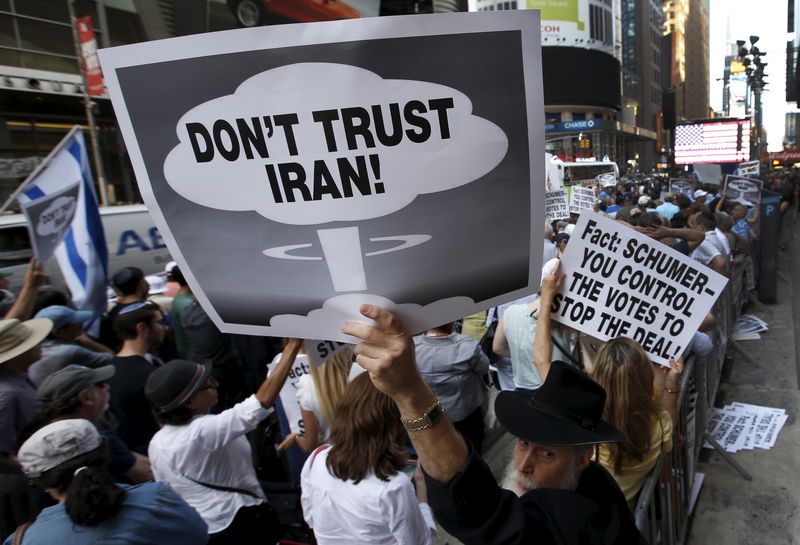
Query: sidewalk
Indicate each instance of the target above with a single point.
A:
(730, 509)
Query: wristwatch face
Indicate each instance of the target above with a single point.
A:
(427, 420)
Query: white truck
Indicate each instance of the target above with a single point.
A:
(132, 239)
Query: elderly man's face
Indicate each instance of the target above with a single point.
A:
(544, 466)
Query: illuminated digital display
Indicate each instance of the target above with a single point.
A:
(715, 142)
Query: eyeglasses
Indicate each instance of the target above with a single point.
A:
(146, 305)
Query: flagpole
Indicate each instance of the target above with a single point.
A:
(88, 103)
(38, 168)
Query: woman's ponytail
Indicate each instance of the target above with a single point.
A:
(92, 496)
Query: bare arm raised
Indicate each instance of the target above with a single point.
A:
(387, 353)
(542, 340)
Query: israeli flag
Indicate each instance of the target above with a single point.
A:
(82, 254)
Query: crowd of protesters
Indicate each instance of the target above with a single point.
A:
(161, 429)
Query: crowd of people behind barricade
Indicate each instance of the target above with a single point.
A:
(162, 429)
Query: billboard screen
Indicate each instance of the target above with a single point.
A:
(713, 142)
(588, 24)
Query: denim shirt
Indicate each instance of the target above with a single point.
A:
(152, 514)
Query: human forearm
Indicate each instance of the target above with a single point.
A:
(441, 450)
(22, 309)
(542, 339)
(387, 353)
(500, 342)
(87, 342)
(271, 387)
(542, 344)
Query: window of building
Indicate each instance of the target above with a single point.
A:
(600, 24)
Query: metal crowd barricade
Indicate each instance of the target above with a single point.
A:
(663, 508)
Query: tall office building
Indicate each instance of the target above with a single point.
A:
(642, 23)
(686, 32)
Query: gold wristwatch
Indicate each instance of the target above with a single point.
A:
(427, 420)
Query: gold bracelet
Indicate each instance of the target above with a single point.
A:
(672, 391)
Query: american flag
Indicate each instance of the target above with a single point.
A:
(716, 142)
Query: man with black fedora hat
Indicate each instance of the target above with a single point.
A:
(565, 497)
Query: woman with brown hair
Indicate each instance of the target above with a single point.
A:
(317, 394)
(641, 398)
(354, 490)
(623, 369)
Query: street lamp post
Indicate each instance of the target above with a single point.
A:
(89, 108)
(754, 67)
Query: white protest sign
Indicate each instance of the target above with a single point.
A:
(288, 394)
(746, 191)
(708, 173)
(749, 168)
(582, 198)
(299, 171)
(321, 351)
(557, 204)
(622, 283)
(677, 185)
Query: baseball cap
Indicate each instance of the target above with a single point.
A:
(561, 237)
(644, 200)
(72, 379)
(700, 193)
(57, 443)
(62, 316)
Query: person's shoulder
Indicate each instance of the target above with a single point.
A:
(128, 360)
(516, 311)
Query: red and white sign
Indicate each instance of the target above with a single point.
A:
(91, 64)
(785, 156)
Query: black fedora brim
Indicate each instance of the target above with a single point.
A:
(523, 420)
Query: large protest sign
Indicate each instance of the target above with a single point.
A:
(582, 198)
(557, 204)
(622, 283)
(296, 172)
(746, 191)
(677, 185)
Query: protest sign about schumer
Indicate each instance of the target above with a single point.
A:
(299, 171)
(622, 283)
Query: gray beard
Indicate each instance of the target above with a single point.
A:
(520, 485)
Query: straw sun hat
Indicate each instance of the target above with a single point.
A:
(18, 337)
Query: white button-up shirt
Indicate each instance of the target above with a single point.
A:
(371, 512)
(212, 449)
